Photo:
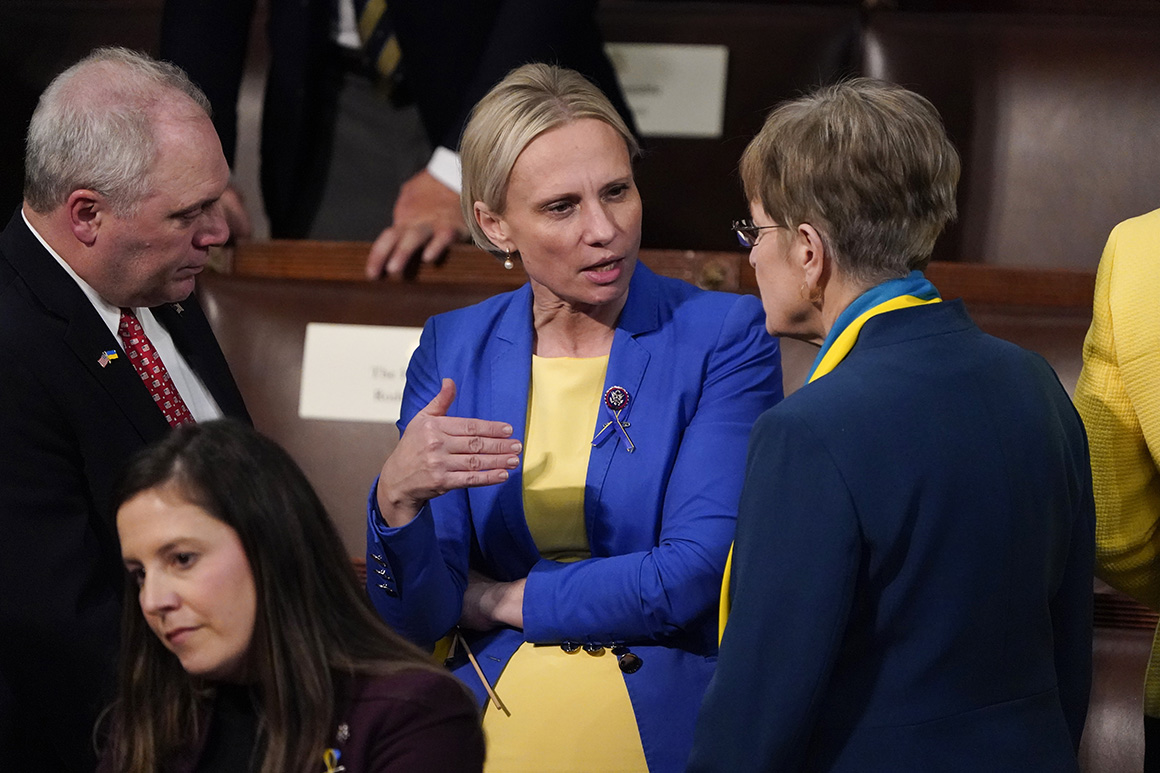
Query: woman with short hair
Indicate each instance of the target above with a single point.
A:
(911, 583)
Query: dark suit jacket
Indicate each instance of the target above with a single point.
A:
(67, 426)
(913, 566)
(454, 51)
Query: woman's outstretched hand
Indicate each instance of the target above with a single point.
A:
(438, 453)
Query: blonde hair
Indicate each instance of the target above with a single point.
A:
(868, 164)
(529, 101)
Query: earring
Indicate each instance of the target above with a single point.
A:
(814, 296)
(508, 263)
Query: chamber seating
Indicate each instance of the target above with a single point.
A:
(1052, 104)
(261, 309)
(1056, 119)
(690, 186)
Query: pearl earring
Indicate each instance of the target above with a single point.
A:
(508, 263)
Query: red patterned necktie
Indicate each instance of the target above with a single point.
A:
(152, 371)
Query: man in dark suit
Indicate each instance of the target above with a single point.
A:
(452, 53)
(123, 175)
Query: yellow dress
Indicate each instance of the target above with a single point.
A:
(1118, 396)
(569, 711)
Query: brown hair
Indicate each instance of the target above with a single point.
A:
(314, 624)
(868, 164)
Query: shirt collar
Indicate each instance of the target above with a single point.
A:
(110, 314)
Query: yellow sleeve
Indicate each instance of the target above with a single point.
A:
(1118, 396)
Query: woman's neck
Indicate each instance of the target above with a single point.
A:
(840, 293)
(563, 330)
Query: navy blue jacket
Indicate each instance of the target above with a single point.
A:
(912, 576)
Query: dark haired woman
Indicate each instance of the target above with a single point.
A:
(254, 648)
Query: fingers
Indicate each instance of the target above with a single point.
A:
(380, 252)
(485, 447)
(474, 478)
(426, 221)
(237, 217)
(444, 454)
(411, 241)
(440, 241)
(441, 402)
(472, 432)
(438, 453)
(398, 245)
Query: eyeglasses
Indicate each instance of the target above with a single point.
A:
(747, 232)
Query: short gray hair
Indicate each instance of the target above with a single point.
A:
(94, 127)
(868, 164)
(529, 101)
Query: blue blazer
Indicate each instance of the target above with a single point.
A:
(700, 369)
(913, 568)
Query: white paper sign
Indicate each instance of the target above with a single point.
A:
(355, 372)
(673, 90)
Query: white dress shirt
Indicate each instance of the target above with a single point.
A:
(189, 385)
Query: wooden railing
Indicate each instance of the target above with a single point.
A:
(464, 264)
(1028, 291)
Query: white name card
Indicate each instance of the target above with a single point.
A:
(355, 372)
(673, 90)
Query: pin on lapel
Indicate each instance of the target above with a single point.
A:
(330, 759)
(616, 400)
(107, 357)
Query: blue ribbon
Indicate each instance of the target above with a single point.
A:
(330, 758)
(915, 283)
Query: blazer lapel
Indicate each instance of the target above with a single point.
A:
(194, 338)
(85, 333)
(511, 375)
(627, 364)
(118, 376)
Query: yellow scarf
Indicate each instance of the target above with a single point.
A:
(914, 290)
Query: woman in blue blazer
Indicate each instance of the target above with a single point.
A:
(911, 584)
(671, 379)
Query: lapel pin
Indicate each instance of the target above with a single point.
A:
(330, 758)
(107, 357)
(616, 400)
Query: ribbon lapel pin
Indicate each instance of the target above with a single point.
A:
(330, 758)
(616, 400)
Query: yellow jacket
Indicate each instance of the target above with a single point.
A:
(1118, 395)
